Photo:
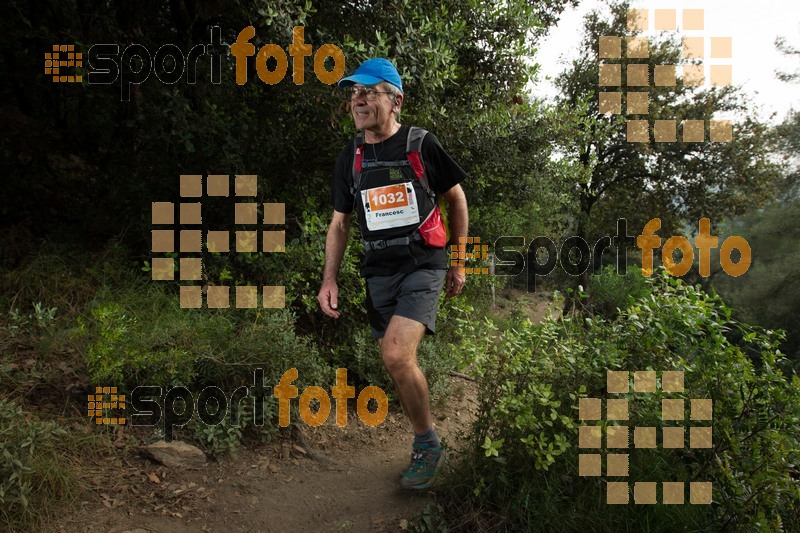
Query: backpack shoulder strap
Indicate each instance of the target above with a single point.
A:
(414, 155)
(358, 159)
(414, 139)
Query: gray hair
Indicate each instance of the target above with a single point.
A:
(394, 90)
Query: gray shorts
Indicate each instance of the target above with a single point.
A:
(414, 295)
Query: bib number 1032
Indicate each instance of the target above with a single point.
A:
(391, 199)
(392, 206)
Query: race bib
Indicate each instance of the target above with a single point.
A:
(392, 206)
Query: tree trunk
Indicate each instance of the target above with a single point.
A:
(572, 301)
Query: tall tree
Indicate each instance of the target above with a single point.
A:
(767, 294)
(669, 178)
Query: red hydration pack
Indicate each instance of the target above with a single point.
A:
(432, 230)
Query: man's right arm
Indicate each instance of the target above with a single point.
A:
(335, 245)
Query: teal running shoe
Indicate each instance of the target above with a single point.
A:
(426, 462)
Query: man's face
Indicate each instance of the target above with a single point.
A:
(375, 115)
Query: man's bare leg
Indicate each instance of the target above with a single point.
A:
(399, 352)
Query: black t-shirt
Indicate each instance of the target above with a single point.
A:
(442, 174)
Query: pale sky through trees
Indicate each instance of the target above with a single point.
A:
(752, 25)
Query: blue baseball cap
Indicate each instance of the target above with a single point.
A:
(374, 71)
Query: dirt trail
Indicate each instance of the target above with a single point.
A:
(273, 487)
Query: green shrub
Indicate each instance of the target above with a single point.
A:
(57, 273)
(226, 436)
(522, 461)
(20, 323)
(33, 473)
(611, 291)
(141, 336)
(345, 342)
(123, 352)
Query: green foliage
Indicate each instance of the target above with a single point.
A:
(31, 469)
(767, 293)
(464, 65)
(362, 357)
(226, 436)
(522, 463)
(431, 520)
(218, 439)
(516, 187)
(611, 291)
(786, 48)
(787, 136)
(49, 275)
(304, 261)
(143, 337)
(436, 359)
(19, 323)
(346, 340)
(123, 354)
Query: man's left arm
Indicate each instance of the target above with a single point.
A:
(459, 224)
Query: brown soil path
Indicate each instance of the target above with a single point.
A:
(273, 487)
(277, 487)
